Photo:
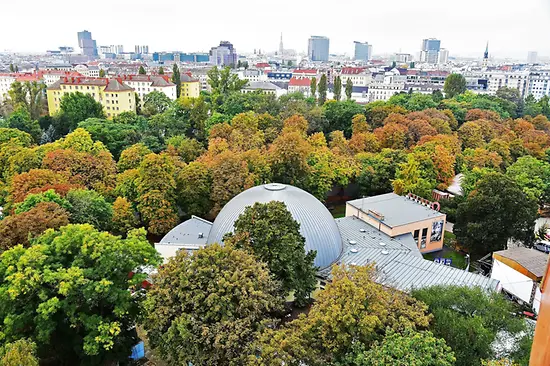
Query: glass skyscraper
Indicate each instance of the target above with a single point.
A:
(317, 49)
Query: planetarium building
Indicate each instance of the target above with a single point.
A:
(349, 240)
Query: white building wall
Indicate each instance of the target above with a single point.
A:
(5, 85)
(512, 281)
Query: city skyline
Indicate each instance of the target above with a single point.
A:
(463, 31)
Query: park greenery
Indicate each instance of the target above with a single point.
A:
(80, 192)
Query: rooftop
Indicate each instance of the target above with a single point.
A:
(530, 259)
(299, 82)
(188, 232)
(398, 260)
(261, 85)
(395, 210)
(114, 84)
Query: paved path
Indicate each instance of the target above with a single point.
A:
(449, 226)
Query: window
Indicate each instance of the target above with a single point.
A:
(416, 234)
(424, 233)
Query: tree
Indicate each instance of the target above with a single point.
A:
(142, 70)
(77, 107)
(469, 320)
(349, 88)
(352, 309)
(337, 88)
(161, 70)
(269, 231)
(114, 135)
(75, 293)
(187, 149)
(19, 353)
(35, 181)
(194, 185)
(322, 88)
(89, 207)
(131, 157)
(455, 84)
(23, 227)
(124, 217)
(29, 96)
(155, 102)
(409, 348)
(378, 171)
(34, 199)
(339, 115)
(176, 79)
(207, 308)
(223, 81)
(101, 73)
(437, 95)
(496, 211)
(533, 176)
(12, 68)
(313, 87)
(21, 120)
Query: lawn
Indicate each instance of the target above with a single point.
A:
(338, 211)
(447, 252)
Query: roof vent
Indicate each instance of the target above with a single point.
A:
(274, 187)
(352, 242)
(354, 250)
(201, 235)
(353, 264)
(382, 244)
(362, 230)
(385, 252)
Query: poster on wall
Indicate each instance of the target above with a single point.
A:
(437, 231)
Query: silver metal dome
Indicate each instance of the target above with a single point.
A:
(316, 223)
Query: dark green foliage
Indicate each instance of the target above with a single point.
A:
(77, 107)
(349, 88)
(155, 102)
(337, 88)
(378, 171)
(21, 120)
(176, 79)
(455, 84)
(468, 319)
(89, 207)
(340, 114)
(141, 70)
(497, 210)
(270, 232)
(115, 136)
(322, 89)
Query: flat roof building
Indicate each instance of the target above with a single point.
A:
(318, 48)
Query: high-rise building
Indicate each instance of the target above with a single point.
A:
(281, 49)
(87, 45)
(443, 56)
(363, 51)
(142, 49)
(318, 47)
(223, 55)
(430, 50)
(532, 57)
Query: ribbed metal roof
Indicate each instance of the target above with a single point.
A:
(191, 232)
(316, 223)
(399, 264)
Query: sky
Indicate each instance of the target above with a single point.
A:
(512, 27)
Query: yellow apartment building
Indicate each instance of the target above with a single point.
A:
(190, 88)
(113, 94)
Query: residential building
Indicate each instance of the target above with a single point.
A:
(264, 87)
(520, 80)
(359, 76)
(538, 84)
(223, 55)
(300, 85)
(87, 45)
(279, 75)
(252, 75)
(402, 57)
(305, 73)
(363, 51)
(385, 86)
(141, 49)
(190, 87)
(532, 57)
(91, 71)
(520, 271)
(318, 48)
(7, 79)
(50, 77)
(145, 84)
(113, 94)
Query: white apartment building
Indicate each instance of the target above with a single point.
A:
(5, 84)
(538, 84)
(383, 89)
(145, 84)
(359, 76)
(264, 87)
(252, 75)
(517, 80)
(88, 71)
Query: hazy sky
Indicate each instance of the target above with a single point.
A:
(512, 27)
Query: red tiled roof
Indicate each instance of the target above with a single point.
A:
(352, 70)
(262, 65)
(299, 82)
(305, 71)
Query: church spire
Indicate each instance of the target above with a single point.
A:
(281, 49)
(486, 54)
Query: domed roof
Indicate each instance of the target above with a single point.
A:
(316, 223)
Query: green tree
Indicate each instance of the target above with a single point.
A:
(322, 88)
(409, 348)
(73, 293)
(224, 82)
(349, 88)
(496, 211)
(207, 308)
(340, 114)
(313, 87)
(12, 68)
(124, 217)
(141, 70)
(77, 107)
(469, 319)
(22, 120)
(194, 185)
(131, 157)
(161, 70)
(455, 84)
(270, 232)
(34, 199)
(337, 88)
(115, 136)
(533, 176)
(512, 95)
(19, 353)
(89, 207)
(437, 96)
(176, 79)
(532, 108)
(101, 73)
(378, 171)
(28, 95)
(155, 102)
